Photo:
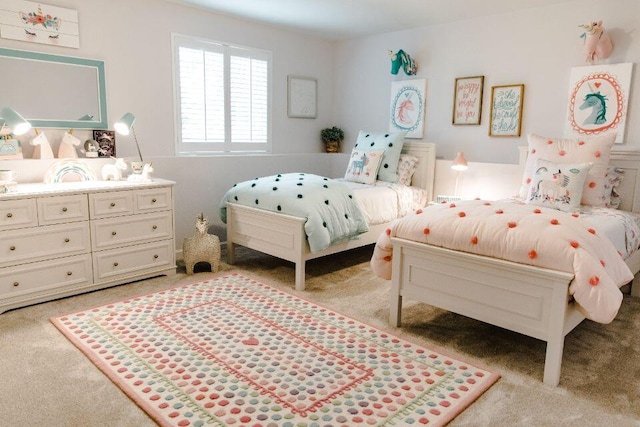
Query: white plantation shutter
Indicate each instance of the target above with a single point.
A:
(222, 97)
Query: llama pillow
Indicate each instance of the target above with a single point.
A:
(363, 166)
(557, 185)
(592, 150)
(391, 143)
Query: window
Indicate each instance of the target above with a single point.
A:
(222, 97)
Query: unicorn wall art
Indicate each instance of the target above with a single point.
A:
(597, 43)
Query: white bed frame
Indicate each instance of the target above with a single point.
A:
(283, 236)
(525, 299)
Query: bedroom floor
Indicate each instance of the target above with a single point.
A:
(46, 381)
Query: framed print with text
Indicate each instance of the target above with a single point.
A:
(467, 100)
(506, 110)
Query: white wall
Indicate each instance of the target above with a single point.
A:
(134, 40)
(537, 47)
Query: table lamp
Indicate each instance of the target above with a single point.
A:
(11, 119)
(124, 126)
(459, 164)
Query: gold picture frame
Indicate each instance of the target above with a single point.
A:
(467, 100)
(506, 110)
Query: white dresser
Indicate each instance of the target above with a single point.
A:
(63, 239)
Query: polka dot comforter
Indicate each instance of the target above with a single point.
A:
(525, 234)
(329, 206)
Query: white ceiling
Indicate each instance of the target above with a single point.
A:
(345, 19)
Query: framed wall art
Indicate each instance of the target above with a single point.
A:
(467, 100)
(106, 140)
(301, 99)
(39, 23)
(598, 100)
(407, 107)
(506, 110)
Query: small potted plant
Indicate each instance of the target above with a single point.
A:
(332, 137)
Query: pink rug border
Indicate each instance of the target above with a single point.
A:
(151, 411)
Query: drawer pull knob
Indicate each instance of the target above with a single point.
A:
(155, 227)
(155, 257)
(64, 209)
(113, 233)
(69, 273)
(115, 264)
(12, 248)
(16, 284)
(153, 200)
(9, 215)
(66, 240)
(113, 204)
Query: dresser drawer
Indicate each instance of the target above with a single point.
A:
(61, 209)
(153, 200)
(18, 213)
(114, 232)
(39, 276)
(116, 203)
(131, 260)
(51, 241)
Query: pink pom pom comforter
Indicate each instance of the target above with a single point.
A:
(524, 234)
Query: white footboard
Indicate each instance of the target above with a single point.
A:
(525, 299)
(282, 236)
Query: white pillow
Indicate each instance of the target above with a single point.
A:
(363, 166)
(407, 166)
(594, 150)
(558, 185)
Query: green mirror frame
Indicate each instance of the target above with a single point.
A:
(98, 121)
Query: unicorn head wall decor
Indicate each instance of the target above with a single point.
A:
(597, 43)
(402, 59)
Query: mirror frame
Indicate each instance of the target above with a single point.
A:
(100, 123)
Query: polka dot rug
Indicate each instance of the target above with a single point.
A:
(232, 351)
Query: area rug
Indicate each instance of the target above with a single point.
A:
(234, 351)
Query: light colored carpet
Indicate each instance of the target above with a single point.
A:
(46, 381)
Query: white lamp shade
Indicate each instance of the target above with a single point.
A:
(15, 121)
(459, 163)
(123, 126)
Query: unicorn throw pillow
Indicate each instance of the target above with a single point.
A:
(558, 185)
(363, 166)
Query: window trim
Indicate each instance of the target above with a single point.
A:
(227, 147)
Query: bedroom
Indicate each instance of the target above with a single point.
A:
(537, 46)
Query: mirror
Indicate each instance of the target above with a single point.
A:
(52, 90)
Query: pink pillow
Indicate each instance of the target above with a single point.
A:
(593, 150)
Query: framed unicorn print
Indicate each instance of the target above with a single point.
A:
(505, 118)
(407, 107)
(598, 100)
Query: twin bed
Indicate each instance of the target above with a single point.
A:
(524, 298)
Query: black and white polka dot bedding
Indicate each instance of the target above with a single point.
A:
(330, 207)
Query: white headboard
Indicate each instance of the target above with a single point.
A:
(629, 188)
(425, 174)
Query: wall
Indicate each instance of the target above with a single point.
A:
(134, 40)
(537, 47)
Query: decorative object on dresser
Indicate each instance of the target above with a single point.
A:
(505, 118)
(299, 363)
(106, 140)
(67, 148)
(467, 100)
(64, 239)
(42, 148)
(114, 172)
(202, 247)
(144, 176)
(407, 107)
(332, 137)
(124, 126)
(69, 170)
(14, 121)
